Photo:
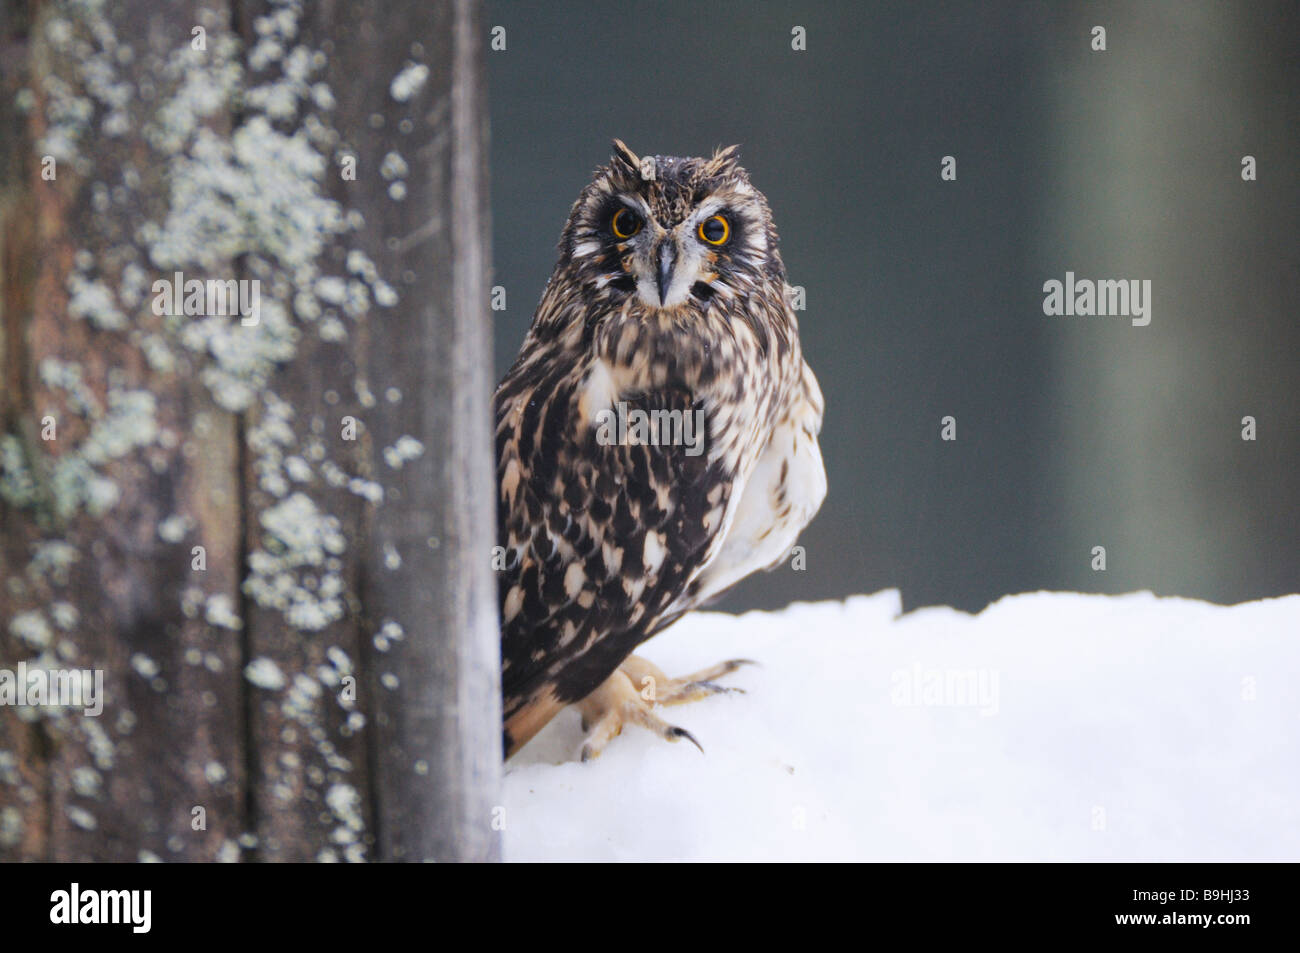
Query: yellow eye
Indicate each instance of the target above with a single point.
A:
(715, 230)
(625, 223)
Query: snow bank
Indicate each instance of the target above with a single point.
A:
(1052, 726)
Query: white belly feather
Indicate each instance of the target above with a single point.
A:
(780, 498)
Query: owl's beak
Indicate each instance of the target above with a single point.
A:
(665, 258)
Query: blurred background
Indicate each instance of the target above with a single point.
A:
(270, 543)
(925, 297)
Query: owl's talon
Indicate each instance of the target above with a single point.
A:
(713, 688)
(678, 691)
(683, 733)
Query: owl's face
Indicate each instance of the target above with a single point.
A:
(671, 234)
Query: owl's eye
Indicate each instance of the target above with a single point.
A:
(715, 230)
(625, 223)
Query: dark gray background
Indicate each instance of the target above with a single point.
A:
(924, 297)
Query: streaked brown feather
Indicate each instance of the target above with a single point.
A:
(582, 588)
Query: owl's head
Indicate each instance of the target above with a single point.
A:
(672, 233)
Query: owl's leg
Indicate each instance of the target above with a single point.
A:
(631, 693)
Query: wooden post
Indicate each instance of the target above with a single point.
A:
(273, 540)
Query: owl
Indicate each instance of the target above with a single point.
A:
(656, 440)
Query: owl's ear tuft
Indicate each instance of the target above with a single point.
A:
(724, 160)
(625, 156)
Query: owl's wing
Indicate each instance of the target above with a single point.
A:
(780, 496)
(600, 539)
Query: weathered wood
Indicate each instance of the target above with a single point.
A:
(343, 702)
(121, 786)
(435, 691)
(311, 793)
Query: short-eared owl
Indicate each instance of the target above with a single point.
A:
(656, 439)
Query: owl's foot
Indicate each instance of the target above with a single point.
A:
(631, 693)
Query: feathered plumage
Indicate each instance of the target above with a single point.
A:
(611, 534)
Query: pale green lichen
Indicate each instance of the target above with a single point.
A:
(69, 378)
(340, 666)
(65, 615)
(254, 195)
(85, 37)
(78, 480)
(292, 570)
(53, 559)
(406, 449)
(31, 627)
(257, 192)
(345, 804)
(81, 817)
(408, 81)
(268, 439)
(298, 469)
(220, 612)
(18, 484)
(366, 489)
(301, 698)
(388, 633)
(11, 827)
(86, 781)
(144, 666)
(102, 750)
(172, 529)
(393, 166)
(93, 300)
(354, 723)
(264, 673)
(205, 82)
(130, 422)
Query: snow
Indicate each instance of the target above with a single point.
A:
(1051, 726)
